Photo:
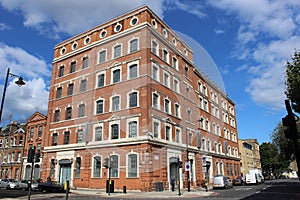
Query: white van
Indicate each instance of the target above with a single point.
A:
(221, 181)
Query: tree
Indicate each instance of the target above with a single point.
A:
(284, 145)
(271, 161)
(293, 81)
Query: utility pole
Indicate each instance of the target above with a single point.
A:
(289, 122)
(179, 165)
(30, 159)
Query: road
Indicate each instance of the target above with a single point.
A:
(282, 189)
(286, 189)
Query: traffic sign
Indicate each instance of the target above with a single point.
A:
(187, 166)
(203, 161)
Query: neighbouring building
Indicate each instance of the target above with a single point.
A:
(128, 90)
(36, 126)
(12, 144)
(249, 153)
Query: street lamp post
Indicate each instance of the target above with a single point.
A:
(19, 82)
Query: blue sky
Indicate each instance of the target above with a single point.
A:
(248, 40)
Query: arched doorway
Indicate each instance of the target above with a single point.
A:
(173, 168)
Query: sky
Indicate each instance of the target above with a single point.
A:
(248, 43)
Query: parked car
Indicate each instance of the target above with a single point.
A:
(23, 185)
(51, 186)
(238, 181)
(8, 183)
(3, 183)
(221, 181)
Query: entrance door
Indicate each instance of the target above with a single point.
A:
(65, 173)
(173, 168)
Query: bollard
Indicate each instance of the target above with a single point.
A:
(67, 188)
(124, 189)
(206, 186)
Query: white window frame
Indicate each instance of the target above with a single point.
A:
(168, 111)
(112, 74)
(109, 131)
(170, 134)
(175, 65)
(129, 45)
(157, 47)
(179, 137)
(93, 163)
(167, 60)
(137, 99)
(154, 65)
(113, 51)
(118, 175)
(137, 164)
(105, 59)
(158, 101)
(94, 131)
(134, 119)
(159, 127)
(95, 109)
(179, 110)
(176, 87)
(128, 69)
(166, 79)
(97, 80)
(111, 103)
(84, 109)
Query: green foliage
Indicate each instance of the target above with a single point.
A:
(293, 81)
(284, 145)
(271, 159)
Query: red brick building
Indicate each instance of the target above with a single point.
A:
(36, 127)
(129, 90)
(12, 138)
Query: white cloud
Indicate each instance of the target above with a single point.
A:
(267, 36)
(189, 6)
(267, 89)
(4, 27)
(22, 62)
(219, 31)
(276, 18)
(23, 101)
(72, 17)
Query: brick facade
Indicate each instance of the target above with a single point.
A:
(129, 90)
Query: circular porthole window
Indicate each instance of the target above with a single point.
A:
(174, 41)
(103, 33)
(154, 24)
(185, 51)
(87, 40)
(118, 28)
(134, 21)
(74, 45)
(63, 51)
(165, 33)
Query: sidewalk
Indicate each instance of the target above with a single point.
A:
(143, 195)
(100, 193)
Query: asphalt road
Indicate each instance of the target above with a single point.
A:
(285, 189)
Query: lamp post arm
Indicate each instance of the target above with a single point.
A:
(4, 91)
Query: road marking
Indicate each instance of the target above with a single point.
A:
(243, 189)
